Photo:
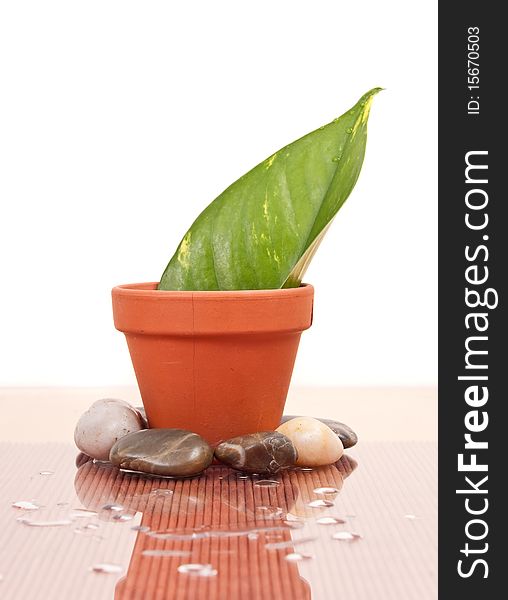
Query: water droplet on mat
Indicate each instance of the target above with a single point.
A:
(161, 493)
(326, 491)
(56, 523)
(269, 483)
(197, 569)
(346, 536)
(141, 528)
(25, 505)
(329, 521)
(122, 517)
(113, 507)
(107, 568)
(297, 557)
(320, 503)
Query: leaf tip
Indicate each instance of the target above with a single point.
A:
(366, 100)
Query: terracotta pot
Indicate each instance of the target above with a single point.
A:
(217, 363)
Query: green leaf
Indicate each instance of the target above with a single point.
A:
(264, 229)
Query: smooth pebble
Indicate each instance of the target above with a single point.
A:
(168, 452)
(104, 423)
(347, 436)
(266, 452)
(315, 442)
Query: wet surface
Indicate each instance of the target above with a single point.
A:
(363, 528)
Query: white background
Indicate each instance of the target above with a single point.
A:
(119, 122)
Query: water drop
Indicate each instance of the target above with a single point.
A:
(121, 517)
(82, 513)
(242, 476)
(336, 159)
(107, 568)
(320, 503)
(322, 127)
(141, 528)
(197, 569)
(163, 553)
(346, 536)
(268, 512)
(46, 472)
(59, 523)
(329, 521)
(410, 517)
(161, 493)
(25, 505)
(113, 507)
(297, 556)
(326, 491)
(349, 130)
(266, 483)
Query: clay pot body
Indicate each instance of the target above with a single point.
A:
(216, 363)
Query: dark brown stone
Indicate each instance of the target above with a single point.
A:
(169, 452)
(347, 436)
(264, 452)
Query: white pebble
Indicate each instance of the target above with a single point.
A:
(105, 422)
(315, 442)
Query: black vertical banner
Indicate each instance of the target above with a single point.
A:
(473, 269)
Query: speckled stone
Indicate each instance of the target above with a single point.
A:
(263, 452)
(168, 452)
(105, 422)
(347, 436)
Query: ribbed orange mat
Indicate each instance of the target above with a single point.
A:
(258, 540)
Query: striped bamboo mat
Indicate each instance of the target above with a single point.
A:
(254, 539)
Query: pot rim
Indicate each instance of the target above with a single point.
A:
(149, 290)
(139, 308)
